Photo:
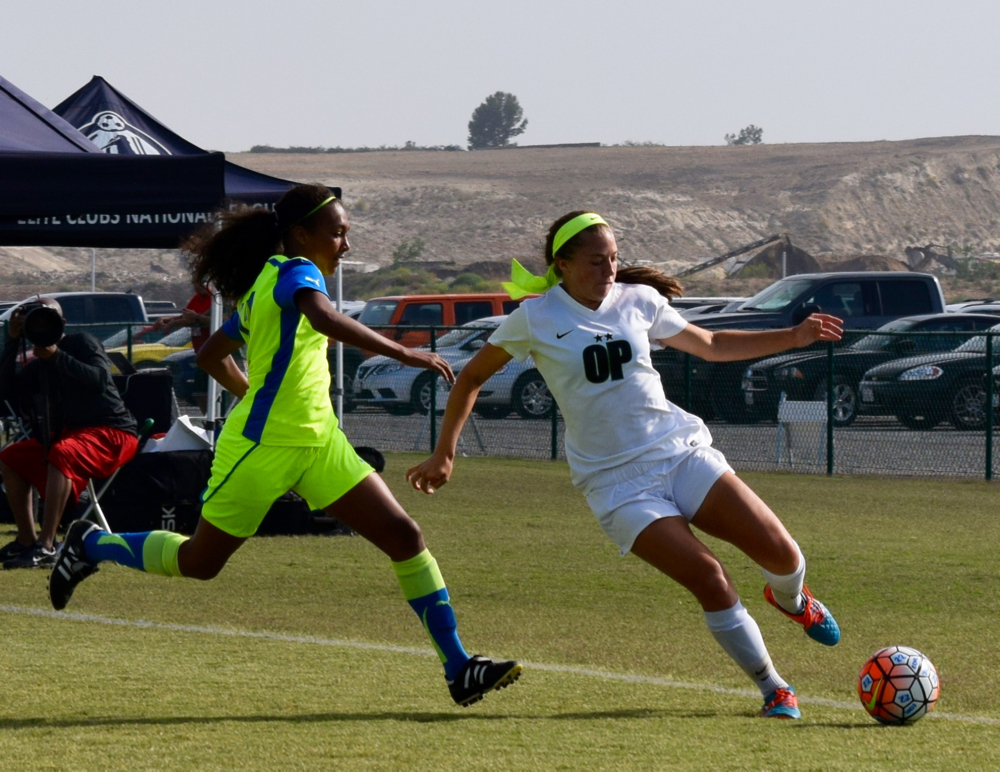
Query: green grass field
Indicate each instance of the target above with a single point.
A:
(303, 655)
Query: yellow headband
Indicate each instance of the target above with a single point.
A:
(312, 211)
(524, 282)
(571, 228)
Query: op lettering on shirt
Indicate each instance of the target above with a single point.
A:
(601, 362)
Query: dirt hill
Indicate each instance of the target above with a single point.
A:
(672, 206)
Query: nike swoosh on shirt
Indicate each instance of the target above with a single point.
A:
(562, 334)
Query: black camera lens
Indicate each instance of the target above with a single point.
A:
(43, 326)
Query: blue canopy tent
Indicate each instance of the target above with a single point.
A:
(118, 126)
(58, 188)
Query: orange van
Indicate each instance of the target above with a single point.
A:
(391, 315)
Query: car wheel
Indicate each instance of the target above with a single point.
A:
(918, 422)
(492, 411)
(349, 403)
(530, 396)
(845, 400)
(420, 394)
(968, 406)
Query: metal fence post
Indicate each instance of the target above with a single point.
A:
(989, 405)
(433, 406)
(829, 407)
(128, 338)
(555, 430)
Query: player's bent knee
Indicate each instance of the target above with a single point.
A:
(201, 571)
(710, 585)
(408, 536)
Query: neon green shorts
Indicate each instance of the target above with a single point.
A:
(247, 478)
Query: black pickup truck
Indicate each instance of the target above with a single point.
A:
(99, 313)
(864, 300)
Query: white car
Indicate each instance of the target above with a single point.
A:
(517, 387)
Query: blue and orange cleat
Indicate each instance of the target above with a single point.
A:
(816, 618)
(781, 703)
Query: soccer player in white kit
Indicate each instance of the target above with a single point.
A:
(647, 468)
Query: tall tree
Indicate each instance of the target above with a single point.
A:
(749, 135)
(495, 121)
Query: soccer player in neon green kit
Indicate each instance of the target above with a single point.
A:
(283, 435)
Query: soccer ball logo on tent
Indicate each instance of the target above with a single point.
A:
(113, 135)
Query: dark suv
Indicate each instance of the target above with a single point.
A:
(864, 300)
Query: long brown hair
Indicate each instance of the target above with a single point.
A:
(230, 253)
(666, 285)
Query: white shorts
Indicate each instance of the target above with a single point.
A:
(645, 492)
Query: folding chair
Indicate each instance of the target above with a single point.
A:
(12, 427)
(799, 424)
(94, 496)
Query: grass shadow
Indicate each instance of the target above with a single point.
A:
(308, 718)
(419, 718)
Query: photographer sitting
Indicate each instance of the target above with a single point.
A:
(80, 426)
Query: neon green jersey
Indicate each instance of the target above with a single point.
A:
(289, 398)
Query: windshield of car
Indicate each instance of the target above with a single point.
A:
(778, 296)
(179, 337)
(139, 335)
(378, 312)
(977, 345)
(462, 335)
(881, 342)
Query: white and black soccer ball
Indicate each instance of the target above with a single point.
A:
(898, 685)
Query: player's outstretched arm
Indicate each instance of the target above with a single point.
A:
(323, 317)
(436, 470)
(734, 345)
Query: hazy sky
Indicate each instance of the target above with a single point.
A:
(227, 75)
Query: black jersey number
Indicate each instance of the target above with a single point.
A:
(603, 362)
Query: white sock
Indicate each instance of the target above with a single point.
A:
(787, 589)
(738, 635)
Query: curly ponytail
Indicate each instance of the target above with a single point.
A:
(230, 253)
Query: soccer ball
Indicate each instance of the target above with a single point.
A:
(898, 685)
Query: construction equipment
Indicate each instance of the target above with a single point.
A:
(735, 253)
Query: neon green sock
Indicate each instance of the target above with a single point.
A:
(159, 553)
(424, 589)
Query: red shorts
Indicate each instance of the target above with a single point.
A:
(80, 454)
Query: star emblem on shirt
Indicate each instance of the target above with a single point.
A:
(608, 336)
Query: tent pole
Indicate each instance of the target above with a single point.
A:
(340, 349)
(212, 398)
(93, 270)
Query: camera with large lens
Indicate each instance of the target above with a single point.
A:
(43, 325)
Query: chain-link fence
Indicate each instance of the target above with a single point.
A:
(882, 403)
